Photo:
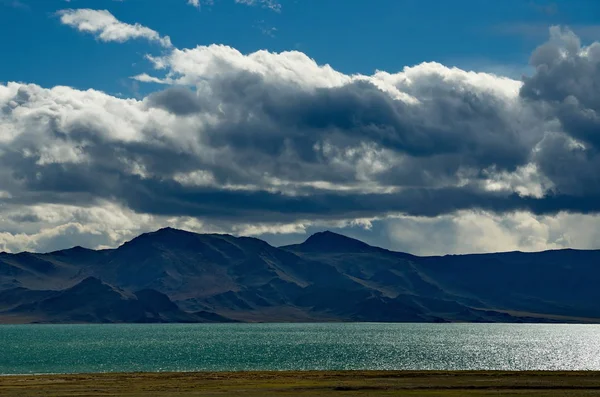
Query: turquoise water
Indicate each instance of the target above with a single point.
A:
(28, 349)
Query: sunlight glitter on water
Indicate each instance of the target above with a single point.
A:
(26, 349)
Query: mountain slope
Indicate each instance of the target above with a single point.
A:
(562, 282)
(92, 301)
(184, 264)
(173, 276)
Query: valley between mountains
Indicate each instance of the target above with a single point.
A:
(177, 276)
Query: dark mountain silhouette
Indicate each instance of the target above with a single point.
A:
(331, 242)
(92, 301)
(177, 276)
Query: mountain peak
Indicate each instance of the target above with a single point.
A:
(328, 241)
(77, 250)
(327, 234)
(164, 235)
(168, 231)
(93, 286)
(89, 282)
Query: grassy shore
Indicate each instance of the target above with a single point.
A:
(326, 383)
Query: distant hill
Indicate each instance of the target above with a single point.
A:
(92, 301)
(177, 276)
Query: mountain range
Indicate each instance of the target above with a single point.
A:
(177, 276)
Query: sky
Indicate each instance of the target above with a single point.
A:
(423, 126)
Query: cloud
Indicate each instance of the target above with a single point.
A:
(276, 142)
(566, 83)
(538, 31)
(273, 5)
(106, 27)
(265, 29)
(198, 3)
(473, 232)
(180, 101)
(14, 4)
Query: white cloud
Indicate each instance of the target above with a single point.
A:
(108, 28)
(193, 66)
(273, 5)
(278, 143)
(270, 4)
(478, 232)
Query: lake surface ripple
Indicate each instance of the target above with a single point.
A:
(27, 349)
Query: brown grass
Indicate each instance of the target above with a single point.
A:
(325, 383)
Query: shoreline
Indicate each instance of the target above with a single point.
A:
(306, 383)
(270, 372)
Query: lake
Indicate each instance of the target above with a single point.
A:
(27, 349)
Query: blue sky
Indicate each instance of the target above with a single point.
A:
(425, 126)
(354, 36)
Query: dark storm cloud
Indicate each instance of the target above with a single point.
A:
(476, 125)
(567, 83)
(25, 218)
(168, 198)
(274, 129)
(269, 207)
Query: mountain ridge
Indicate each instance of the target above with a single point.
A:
(328, 277)
(326, 232)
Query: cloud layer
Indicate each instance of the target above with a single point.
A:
(272, 5)
(274, 142)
